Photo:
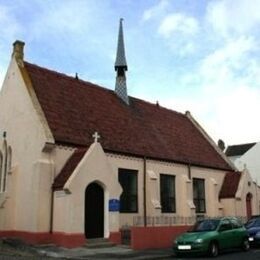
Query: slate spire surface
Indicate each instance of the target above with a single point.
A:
(121, 66)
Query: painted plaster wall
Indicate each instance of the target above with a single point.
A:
(237, 206)
(252, 161)
(60, 155)
(26, 136)
(246, 186)
(69, 215)
(117, 161)
(69, 206)
(213, 184)
(184, 195)
(229, 207)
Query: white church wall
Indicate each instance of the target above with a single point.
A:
(26, 136)
(60, 155)
(252, 161)
(183, 187)
(70, 206)
(120, 161)
(247, 185)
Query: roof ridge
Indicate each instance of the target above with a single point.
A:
(61, 74)
(90, 84)
(253, 143)
(159, 106)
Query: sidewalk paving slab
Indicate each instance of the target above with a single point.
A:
(116, 252)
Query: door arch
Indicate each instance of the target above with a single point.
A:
(94, 211)
(249, 205)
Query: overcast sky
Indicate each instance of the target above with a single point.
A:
(196, 55)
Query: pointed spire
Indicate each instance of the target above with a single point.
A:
(120, 56)
(121, 66)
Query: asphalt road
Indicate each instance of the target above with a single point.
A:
(253, 254)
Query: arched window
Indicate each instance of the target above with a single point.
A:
(1, 169)
(9, 159)
(4, 170)
(5, 165)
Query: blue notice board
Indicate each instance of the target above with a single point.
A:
(114, 205)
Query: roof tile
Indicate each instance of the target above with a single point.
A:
(230, 185)
(75, 109)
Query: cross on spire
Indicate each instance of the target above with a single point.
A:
(96, 136)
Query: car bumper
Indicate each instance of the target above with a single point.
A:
(254, 241)
(194, 248)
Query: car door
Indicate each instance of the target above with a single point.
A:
(225, 234)
(238, 233)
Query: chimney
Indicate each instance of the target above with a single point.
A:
(221, 145)
(18, 51)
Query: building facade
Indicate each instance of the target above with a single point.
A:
(79, 161)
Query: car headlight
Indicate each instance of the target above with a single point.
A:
(199, 240)
(175, 241)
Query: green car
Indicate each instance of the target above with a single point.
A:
(212, 235)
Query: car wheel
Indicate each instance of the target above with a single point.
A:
(245, 244)
(213, 249)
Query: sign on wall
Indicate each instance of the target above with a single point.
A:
(114, 205)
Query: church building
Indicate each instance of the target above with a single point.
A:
(79, 161)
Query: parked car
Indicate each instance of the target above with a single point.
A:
(253, 229)
(212, 235)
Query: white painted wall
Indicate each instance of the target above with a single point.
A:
(26, 135)
(251, 159)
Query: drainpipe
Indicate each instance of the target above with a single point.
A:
(144, 192)
(189, 171)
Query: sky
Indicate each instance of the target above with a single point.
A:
(197, 55)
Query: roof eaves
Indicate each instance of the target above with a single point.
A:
(209, 139)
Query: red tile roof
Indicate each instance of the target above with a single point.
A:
(75, 109)
(230, 185)
(68, 169)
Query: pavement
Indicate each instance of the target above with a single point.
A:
(10, 248)
(116, 252)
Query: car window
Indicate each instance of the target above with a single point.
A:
(206, 225)
(236, 223)
(255, 222)
(225, 225)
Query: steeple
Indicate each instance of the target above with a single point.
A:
(121, 66)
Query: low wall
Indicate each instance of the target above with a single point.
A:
(155, 237)
(141, 237)
(58, 238)
(28, 237)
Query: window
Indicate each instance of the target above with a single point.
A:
(167, 189)
(236, 223)
(225, 225)
(9, 159)
(1, 170)
(199, 195)
(128, 199)
(5, 166)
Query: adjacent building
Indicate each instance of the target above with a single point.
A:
(246, 156)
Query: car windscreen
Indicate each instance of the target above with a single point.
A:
(205, 225)
(255, 222)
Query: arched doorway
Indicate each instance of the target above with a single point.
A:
(94, 211)
(249, 205)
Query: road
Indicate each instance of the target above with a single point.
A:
(253, 254)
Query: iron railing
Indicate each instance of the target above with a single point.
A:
(173, 220)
